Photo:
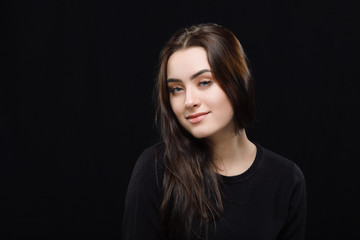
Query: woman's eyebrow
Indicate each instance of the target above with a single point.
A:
(173, 80)
(191, 78)
(199, 73)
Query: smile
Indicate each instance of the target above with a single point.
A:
(195, 118)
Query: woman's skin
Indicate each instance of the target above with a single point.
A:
(204, 110)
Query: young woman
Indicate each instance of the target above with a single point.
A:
(205, 179)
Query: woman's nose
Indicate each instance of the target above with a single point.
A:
(192, 99)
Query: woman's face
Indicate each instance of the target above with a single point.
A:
(197, 100)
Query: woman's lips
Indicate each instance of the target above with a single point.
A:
(195, 118)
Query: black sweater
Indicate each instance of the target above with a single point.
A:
(268, 201)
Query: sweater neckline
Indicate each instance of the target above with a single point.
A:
(249, 172)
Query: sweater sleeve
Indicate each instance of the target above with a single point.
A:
(141, 217)
(294, 228)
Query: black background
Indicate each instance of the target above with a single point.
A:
(76, 105)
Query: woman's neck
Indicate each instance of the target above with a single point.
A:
(233, 154)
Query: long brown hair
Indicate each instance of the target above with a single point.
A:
(191, 195)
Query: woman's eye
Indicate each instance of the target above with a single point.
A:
(204, 83)
(175, 89)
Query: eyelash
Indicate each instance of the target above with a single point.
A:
(205, 83)
(174, 89)
(200, 84)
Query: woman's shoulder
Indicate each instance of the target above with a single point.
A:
(150, 155)
(148, 163)
(143, 198)
(281, 165)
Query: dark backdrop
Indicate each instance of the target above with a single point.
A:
(76, 105)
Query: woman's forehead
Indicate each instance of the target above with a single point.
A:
(185, 63)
